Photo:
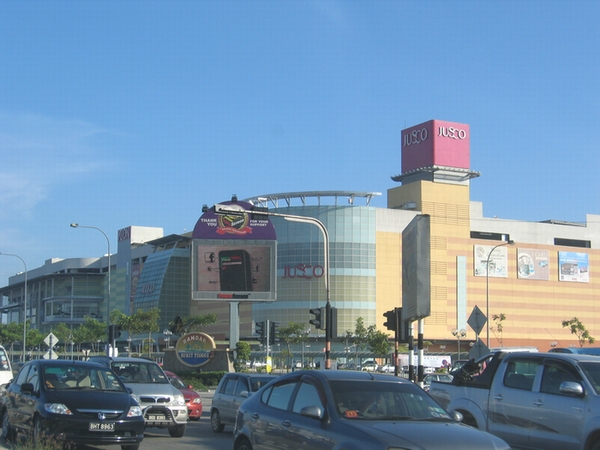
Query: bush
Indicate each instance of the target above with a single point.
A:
(201, 381)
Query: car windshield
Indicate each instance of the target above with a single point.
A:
(139, 372)
(175, 381)
(592, 372)
(80, 377)
(383, 400)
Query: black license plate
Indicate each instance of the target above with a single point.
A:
(102, 426)
(157, 417)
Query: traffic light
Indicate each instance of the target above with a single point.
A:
(114, 332)
(273, 332)
(332, 329)
(391, 322)
(260, 330)
(319, 320)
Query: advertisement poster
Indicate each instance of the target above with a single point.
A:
(532, 264)
(498, 261)
(573, 266)
(195, 349)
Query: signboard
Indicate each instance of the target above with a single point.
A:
(416, 269)
(498, 261)
(532, 264)
(195, 349)
(234, 256)
(435, 142)
(573, 266)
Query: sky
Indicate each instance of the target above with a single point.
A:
(119, 113)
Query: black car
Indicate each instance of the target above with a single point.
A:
(71, 401)
(330, 409)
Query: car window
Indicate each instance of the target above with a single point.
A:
(33, 378)
(553, 376)
(307, 395)
(520, 374)
(257, 382)
(242, 385)
(229, 387)
(592, 372)
(279, 396)
(22, 376)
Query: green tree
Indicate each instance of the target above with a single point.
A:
(11, 333)
(295, 333)
(360, 337)
(242, 355)
(499, 327)
(378, 342)
(189, 324)
(579, 330)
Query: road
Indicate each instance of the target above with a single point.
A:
(198, 435)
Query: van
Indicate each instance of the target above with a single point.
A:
(6, 373)
(580, 350)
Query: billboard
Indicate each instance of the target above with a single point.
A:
(416, 269)
(435, 142)
(498, 261)
(532, 264)
(234, 256)
(573, 266)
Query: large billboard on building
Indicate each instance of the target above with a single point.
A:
(436, 143)
(234, 256)
(573, 266)
(498, 261)
(532, 264)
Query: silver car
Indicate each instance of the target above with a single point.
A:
(162, 403)
(351, 410)
(232, 390)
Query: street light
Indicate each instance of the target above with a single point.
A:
(458, 334)
(24, 303)
(167, 334)
(221, 209)
(76, 225)
(487, 288)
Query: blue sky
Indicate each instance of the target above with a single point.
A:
(118, 113)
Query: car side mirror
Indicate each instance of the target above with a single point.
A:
(457, 416)
(244, 394)
(27, 388)
(314, 412)
(571, 388)
(190, 386)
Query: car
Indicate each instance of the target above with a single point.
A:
(369, 366)
(162, 403)
(386, 368)
(232, 390)
(192, 398)
(75, 402)
(445, 377)
(351, 410)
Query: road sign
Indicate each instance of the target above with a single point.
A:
(51, 340)
(477, 320)
(478, 350)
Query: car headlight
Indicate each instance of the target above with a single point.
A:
(134, 411)
(179, 400)
(57, 408)
(136, 398)
(197, 400)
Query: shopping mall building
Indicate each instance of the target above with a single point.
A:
(540, 273)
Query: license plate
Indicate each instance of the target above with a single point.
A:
(156, 417)
(102, 426)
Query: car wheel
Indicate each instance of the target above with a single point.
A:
(215, 422)
(177, 431)
(242, 444)
(130, 447)
(7, 432)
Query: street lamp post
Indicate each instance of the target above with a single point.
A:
(235, 209)
(76, 225)
(487, 289)
(458, 334)
(24, 303)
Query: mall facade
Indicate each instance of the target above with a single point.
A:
(535, 274)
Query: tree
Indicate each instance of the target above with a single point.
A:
(498, 319)
(295, 333)
(378, 342)
(242, 355)
(579, 330)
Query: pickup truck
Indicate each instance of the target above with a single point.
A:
(540, 401)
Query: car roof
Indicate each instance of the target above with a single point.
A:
(348, 375)
(106, 359)
(65, 362)
(573, 357)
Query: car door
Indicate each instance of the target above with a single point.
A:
(26, 402)
(559, 416)
(511, 408)
(225, 400)
(13, 399)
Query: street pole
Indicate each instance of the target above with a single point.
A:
(24, 305)
(487, 289)
(235, 209)
(111, 344)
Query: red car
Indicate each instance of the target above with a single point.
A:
(192, 398)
